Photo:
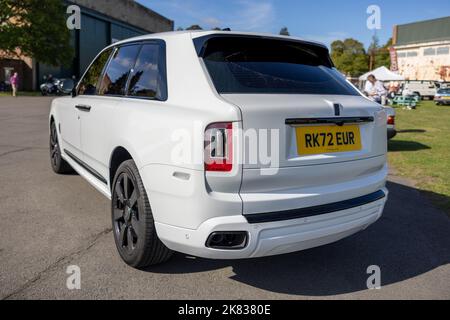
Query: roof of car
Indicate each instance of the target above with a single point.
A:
(201, 33)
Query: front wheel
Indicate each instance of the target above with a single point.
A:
(132, 220)
(59, 165)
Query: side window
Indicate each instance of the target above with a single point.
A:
(115, 79)
(88, 85)
(149, 77)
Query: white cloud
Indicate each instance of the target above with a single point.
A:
(245, 15)
(254, 16)
(212, 22)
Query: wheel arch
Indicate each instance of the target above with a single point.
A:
(118, 156)
(52, 119)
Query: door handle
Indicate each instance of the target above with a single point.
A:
(83, 107)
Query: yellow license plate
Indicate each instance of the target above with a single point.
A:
(328, 139)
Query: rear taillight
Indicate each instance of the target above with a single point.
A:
(391, 120)
(219, 147)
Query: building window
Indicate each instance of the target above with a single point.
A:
(401, 55)
(412, 54)
(8, 72)
(429, 52)
(443, 50)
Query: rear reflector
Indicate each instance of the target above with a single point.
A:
(219, 147)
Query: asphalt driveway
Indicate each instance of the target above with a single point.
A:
(49, 222)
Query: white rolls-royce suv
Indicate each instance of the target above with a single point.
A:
(223, 145)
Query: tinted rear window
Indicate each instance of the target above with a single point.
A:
(116, 75)
(257, 65)
(149, 77)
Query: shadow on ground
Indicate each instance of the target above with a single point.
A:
(401, 145)
(412, 131)
(410, 239)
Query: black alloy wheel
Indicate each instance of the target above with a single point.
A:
(126, 213)
(59, 165)
(132, 220)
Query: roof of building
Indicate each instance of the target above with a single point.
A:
(130, 12)
(423, 31)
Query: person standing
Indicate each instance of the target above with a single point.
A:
(14, 80)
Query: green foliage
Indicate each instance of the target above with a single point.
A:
(194, 27)
(350, 57)
(382, 55)
(37, 28)
(284, 31)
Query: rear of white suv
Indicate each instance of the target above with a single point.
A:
(283, 153)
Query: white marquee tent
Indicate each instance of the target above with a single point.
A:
(382, 74)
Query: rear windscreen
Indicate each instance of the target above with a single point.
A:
(259, 65)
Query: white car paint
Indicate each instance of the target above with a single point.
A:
(423, 88)
(189, 203)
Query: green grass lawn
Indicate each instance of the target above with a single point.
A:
(421, 150)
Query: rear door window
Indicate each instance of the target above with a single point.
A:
(257, 65)
(149, 76)
(116, 76)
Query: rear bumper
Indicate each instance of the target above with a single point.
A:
(273, 238)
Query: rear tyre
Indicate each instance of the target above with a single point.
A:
(59, 165)
(132, 220)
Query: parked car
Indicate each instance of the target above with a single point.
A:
(424, 89)
(442, 97)
(57, 87)
(176, 129)
(442, 84)
(5, 86)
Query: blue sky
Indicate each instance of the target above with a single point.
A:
(320, 20)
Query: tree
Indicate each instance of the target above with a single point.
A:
(382, 56)
(194, 27)
(36, 29)
(349, 56)
(180, 29)
(284, 31)
(373, 48)
(379, 56)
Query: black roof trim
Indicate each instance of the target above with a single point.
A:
(200, 42)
